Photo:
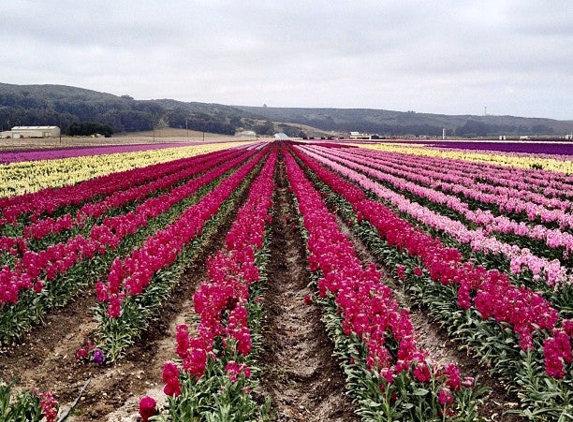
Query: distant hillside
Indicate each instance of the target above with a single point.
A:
(396, 123)
(31, 105)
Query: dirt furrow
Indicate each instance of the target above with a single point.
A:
(300, 374)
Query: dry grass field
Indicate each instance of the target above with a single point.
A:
(157, 136)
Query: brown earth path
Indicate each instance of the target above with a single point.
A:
(301, 376)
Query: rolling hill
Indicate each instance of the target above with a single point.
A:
(23, 105)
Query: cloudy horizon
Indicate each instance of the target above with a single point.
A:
(451, 57)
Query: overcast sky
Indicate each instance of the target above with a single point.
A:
(453, 57)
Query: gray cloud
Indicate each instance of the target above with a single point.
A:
(451, 56)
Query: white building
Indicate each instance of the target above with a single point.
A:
(281, 135)
(18, 132)
(358, 135)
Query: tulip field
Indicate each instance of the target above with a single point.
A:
(286, 281)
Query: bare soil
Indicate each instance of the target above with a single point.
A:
(301, 375)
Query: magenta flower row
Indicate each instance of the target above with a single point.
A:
(132, 275)
(46, 201)
(136, 187)
(366, 305)
(221, 301)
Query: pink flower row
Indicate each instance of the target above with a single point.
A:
(34, 268)
(552, 271)
(553, 184)
(48, 200)
(527, 312)
(553, 238)
(507, 199)
(221, 301)
(514, 185)
(132, 275)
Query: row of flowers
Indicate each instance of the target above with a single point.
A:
(137, 284)
(98, 197)
(526, 183)
(515, 330)
(511, 190)
(525, 161)
(40, 280)
(215, 377)
(27, 272)
(391, 377)
(520, 259)
(406, 178)
(32, 176)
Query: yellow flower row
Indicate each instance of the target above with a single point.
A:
(32, 176)
(521, 161)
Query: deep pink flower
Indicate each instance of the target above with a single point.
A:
(49, 406)
(401, 272)
(445, 397)
(235, 369)
(171, 379)
(183, 342)
(453, 377)
(387, 374)
(147, 408)
(422, 371)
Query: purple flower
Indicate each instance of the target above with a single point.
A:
(98, 356)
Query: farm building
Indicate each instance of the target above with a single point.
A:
(32, 132)
(358, 135)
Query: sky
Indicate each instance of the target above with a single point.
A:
(498, 57)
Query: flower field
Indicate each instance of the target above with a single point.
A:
(287, 281)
